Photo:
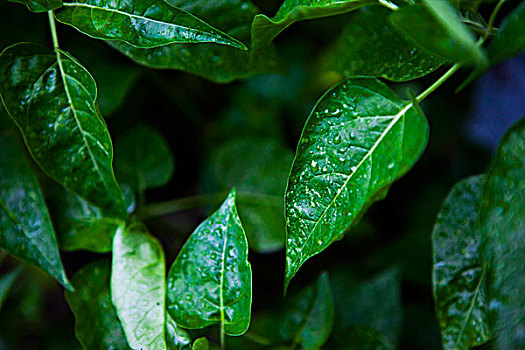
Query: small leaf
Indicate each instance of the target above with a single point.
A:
(143, 159)
(438, 29)
(201, 344)
(7, 281)
(502, 226)
(25, 227)
(176, 338)
(40, 5)
(51, 98)
(309, 317)
(459, 276)
(370, 46)
(265, 29)
(137, 287)
(210, 281)
(142, 24)
(96, 322)
(359, 337)
(358, 140)
(510, 39)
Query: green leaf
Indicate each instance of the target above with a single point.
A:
(258, 168)
(210, 281)
(218, 63)
(459, 275)
(25, 227)
(309, 317)
(201, 344)
(510, 39)
(96, 322)
(143, 24)
(137, 287)
(7, 281)
(438, 29)
(80, 225)
(370, 46)
(359, 337)
(502, 226)
(176, 338)
(40, 5)
(51, 98)
(265, 29)
(358, 140)
(143, 159)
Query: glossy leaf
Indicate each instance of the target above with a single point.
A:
(143, 159)
(40, 5)
(137, 287)
(510, 40)
(502, 226)
(176, 337)
(359, 337)
(459, 276)
(309, 317)
(25, 227)
(7, 281)
(358, 140)
(96, 322)
(265, 29)
(438, 29)
(210, 281)
(258, 168)
(144, 24)
(52, 99)
(369, 45)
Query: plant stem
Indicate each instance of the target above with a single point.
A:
(495, 13)
(258, 339)
(222, 335)
(51, 17)
(388, 4)
(438, 82)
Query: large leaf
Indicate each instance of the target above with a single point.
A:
(502, 225)
(7, 281)
(369, 45)
(265, 29)
(437, 28)
(218, 63)
(510, 39)
(309, 317)
(137, 287)
(258, 168)
(51, 98)
(25, 227)
(210, 281)
(459, 275)
(40, 5)
(176, 338)
(96, 324)
(358, 140)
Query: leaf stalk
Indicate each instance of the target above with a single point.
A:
(53, 27)
(438, 82)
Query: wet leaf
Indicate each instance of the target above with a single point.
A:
(25, 227)
(51, 98)
(358, 140)
(369, 45)
(459, 276)
(176, 337)
(359, 337)
(96, 322)
(265, 29)
(137, 287)
(309, 317)
(40, 5)
(502, 226)
(210, 281)
(7, 281)
(510, 40)
(143, 24)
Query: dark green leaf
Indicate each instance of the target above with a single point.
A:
(258, 168)
(359, 337)
(176, 338)
(96, 322)
(502, 225)
(265, 29)
(210, 281)
(143, 159)
(358, 140)
(309, 317)
(510, 40)
(138, 287)
(51, 98)
(40, 5)
(438, 29)
(25, 227)
(459, 276)
(369, 45)
(144, 24)
(7, 281)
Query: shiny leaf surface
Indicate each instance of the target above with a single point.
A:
(510, 40)
(176, 337)
(96, 324)
(369, 45)
(358, 140)
(7, 281)
(25, 227)
(502, 225)
(309, 317)
(137, 287)
(459, 276)
(51, 98)
(144, 24)
(40, 5)
(210, 281)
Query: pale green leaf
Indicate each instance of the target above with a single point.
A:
(176, 337)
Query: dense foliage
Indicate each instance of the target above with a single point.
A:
(112, 151)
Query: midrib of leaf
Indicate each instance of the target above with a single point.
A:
(221, 289)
